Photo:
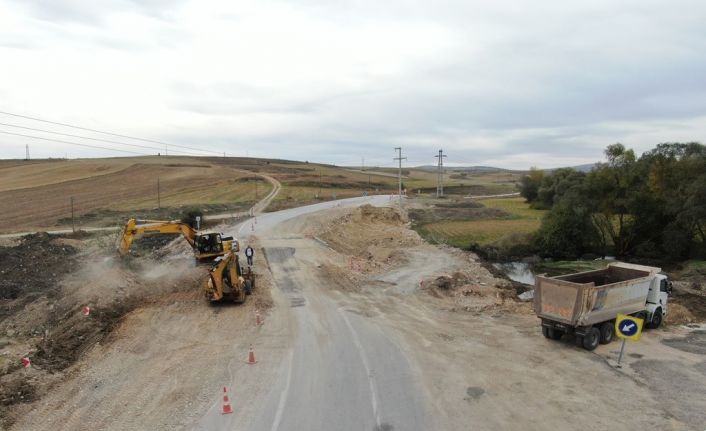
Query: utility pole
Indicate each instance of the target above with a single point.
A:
(362, 163)
(399, 172)
(440, 175)
(159, 203)
(73, 224)
(26, 151)
(166, 150)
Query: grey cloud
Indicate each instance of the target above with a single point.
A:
(90, 12)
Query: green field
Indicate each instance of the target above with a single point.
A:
(521, 220)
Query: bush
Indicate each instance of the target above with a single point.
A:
(189, 216)
(567, 231)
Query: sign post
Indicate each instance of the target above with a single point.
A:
(627, 328)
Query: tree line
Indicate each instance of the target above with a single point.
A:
(652, 207)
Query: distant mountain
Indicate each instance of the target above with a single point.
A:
(464, 168)
(581, 168)
(585, 168)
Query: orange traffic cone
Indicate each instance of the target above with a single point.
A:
(226, 402)
(251, 357)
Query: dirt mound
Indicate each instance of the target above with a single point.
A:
(371, 214)
(46, 280)
(687, 304)
(468, 293)
(373, 237)
(33, 266)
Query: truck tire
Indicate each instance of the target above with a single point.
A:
(555, 334)
(656, 321)
(591, 339)
(551, 333)
(578, 340)
(607, 332)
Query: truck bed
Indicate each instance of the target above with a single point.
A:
(587, 298)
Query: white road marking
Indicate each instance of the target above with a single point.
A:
(371, 380)
(283, 395)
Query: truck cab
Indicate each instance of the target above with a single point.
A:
(657, 298)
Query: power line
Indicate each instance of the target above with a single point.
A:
(107, 133)
(74, 143)
(93, 139)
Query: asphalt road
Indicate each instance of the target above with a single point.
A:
(339, 371)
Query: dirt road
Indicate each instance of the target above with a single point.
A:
(367, 348)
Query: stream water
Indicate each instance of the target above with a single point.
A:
(521, 272)
(517, 271)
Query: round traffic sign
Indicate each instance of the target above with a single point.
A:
(628, 327)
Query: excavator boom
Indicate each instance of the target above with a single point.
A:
(134, 230)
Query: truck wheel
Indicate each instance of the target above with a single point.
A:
(591, 339)
(656, 319)
(607, 332)
(578, 340)
(545, 332)
(555, 334)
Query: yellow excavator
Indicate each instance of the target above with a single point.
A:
(207, 246)
(227, 281)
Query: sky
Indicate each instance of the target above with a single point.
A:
(512, 84)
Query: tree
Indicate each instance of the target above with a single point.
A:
(610, 187)
(567, 231)
(555, 185)
(529, 184)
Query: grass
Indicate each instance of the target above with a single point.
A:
(515, 206)
(231, 191)
(462, 233)
(483, 232)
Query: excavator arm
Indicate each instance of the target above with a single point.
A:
(134, 230)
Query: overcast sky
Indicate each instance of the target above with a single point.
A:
(507, 83)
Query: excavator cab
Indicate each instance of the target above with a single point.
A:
(209, 245)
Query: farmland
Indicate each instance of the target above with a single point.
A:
(514, 217)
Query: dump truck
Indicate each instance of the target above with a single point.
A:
(586, 304)
(206, 245)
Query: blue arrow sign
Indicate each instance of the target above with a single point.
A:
(628, 328)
